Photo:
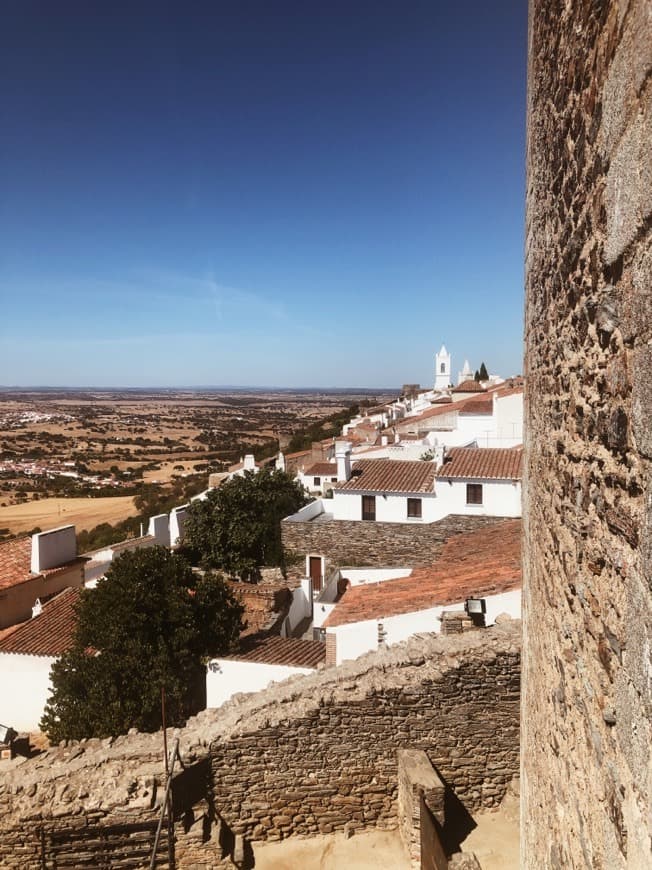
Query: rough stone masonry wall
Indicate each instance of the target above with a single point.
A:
(372, 544)
(316, 753)
(586, 735)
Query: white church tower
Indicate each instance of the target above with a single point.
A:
(466, 374)
(442, 369)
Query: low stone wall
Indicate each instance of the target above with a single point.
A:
(417, 780)
(314, 754)
(383, 545)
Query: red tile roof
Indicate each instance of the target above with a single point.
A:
(490, 463)
(48, 634)
(390, 475)
(478, 405)
(16, 563)
(469, 387)
(482, 563)
(282, 651)
(322, 469)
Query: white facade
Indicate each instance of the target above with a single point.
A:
(500, 498)
(357, 638)
(390, 507)
(228, 677)
(24, 689)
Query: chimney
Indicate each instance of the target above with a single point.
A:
(54, 548)
(37, 610)
(280, 462)
(343, 457)
(249, 462)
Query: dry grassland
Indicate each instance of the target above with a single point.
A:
(48, 513)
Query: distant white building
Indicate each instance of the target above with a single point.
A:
(442, 369)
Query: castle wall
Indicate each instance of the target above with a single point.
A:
(587, 706)
(296, 758)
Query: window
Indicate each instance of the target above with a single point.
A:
(333, 480)
(368, 507)
(414, 508)
(442, 368)
(474, 493)
(316, 481)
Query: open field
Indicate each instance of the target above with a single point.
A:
(48, 513)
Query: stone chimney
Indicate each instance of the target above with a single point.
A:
(343, 458)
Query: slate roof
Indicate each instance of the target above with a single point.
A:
(489, 463)
(276, 650)
(50, 633)
(478, 564)
(322, 469)
(390, 475)
(16, 563)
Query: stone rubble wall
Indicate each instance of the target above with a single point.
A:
(587, 687)
(372, 544)
(314, 754)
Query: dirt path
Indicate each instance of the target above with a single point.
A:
(373, 850)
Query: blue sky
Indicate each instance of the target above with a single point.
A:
(260, 193)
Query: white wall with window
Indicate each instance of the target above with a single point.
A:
(494, 498)
(386, 507)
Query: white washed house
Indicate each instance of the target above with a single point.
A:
(484, 566)
(260, 662)
(27, 652)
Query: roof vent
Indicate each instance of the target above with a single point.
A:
(37, 610)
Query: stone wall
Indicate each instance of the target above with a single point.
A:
(294, 759)
(587, 508)
(383, 545)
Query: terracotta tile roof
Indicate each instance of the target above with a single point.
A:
(478, 405)
(469, 387)
(491, 463)
(297, 454)
(435, 411)
(282, 651)
(482, 563)
(390, 475)
(48, 634)
(16, 563)
(322, 469)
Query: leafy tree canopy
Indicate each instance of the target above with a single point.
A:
(237, 527)
(148, 624)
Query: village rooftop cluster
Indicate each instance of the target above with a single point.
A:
(443, 462)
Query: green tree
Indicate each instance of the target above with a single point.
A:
(237, 527)
(148, 624)
(484, 374)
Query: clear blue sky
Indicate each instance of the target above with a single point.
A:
(260, 193)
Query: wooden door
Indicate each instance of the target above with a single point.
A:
(315, 573)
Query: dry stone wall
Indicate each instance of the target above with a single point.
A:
(314, 754)
(372, 544)
(587, 704)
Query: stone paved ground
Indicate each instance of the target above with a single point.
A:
(373, 850)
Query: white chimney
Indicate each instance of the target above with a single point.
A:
(37, 609)
(54, 548)
(383, 440)
(343, 457)
(249, 462)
